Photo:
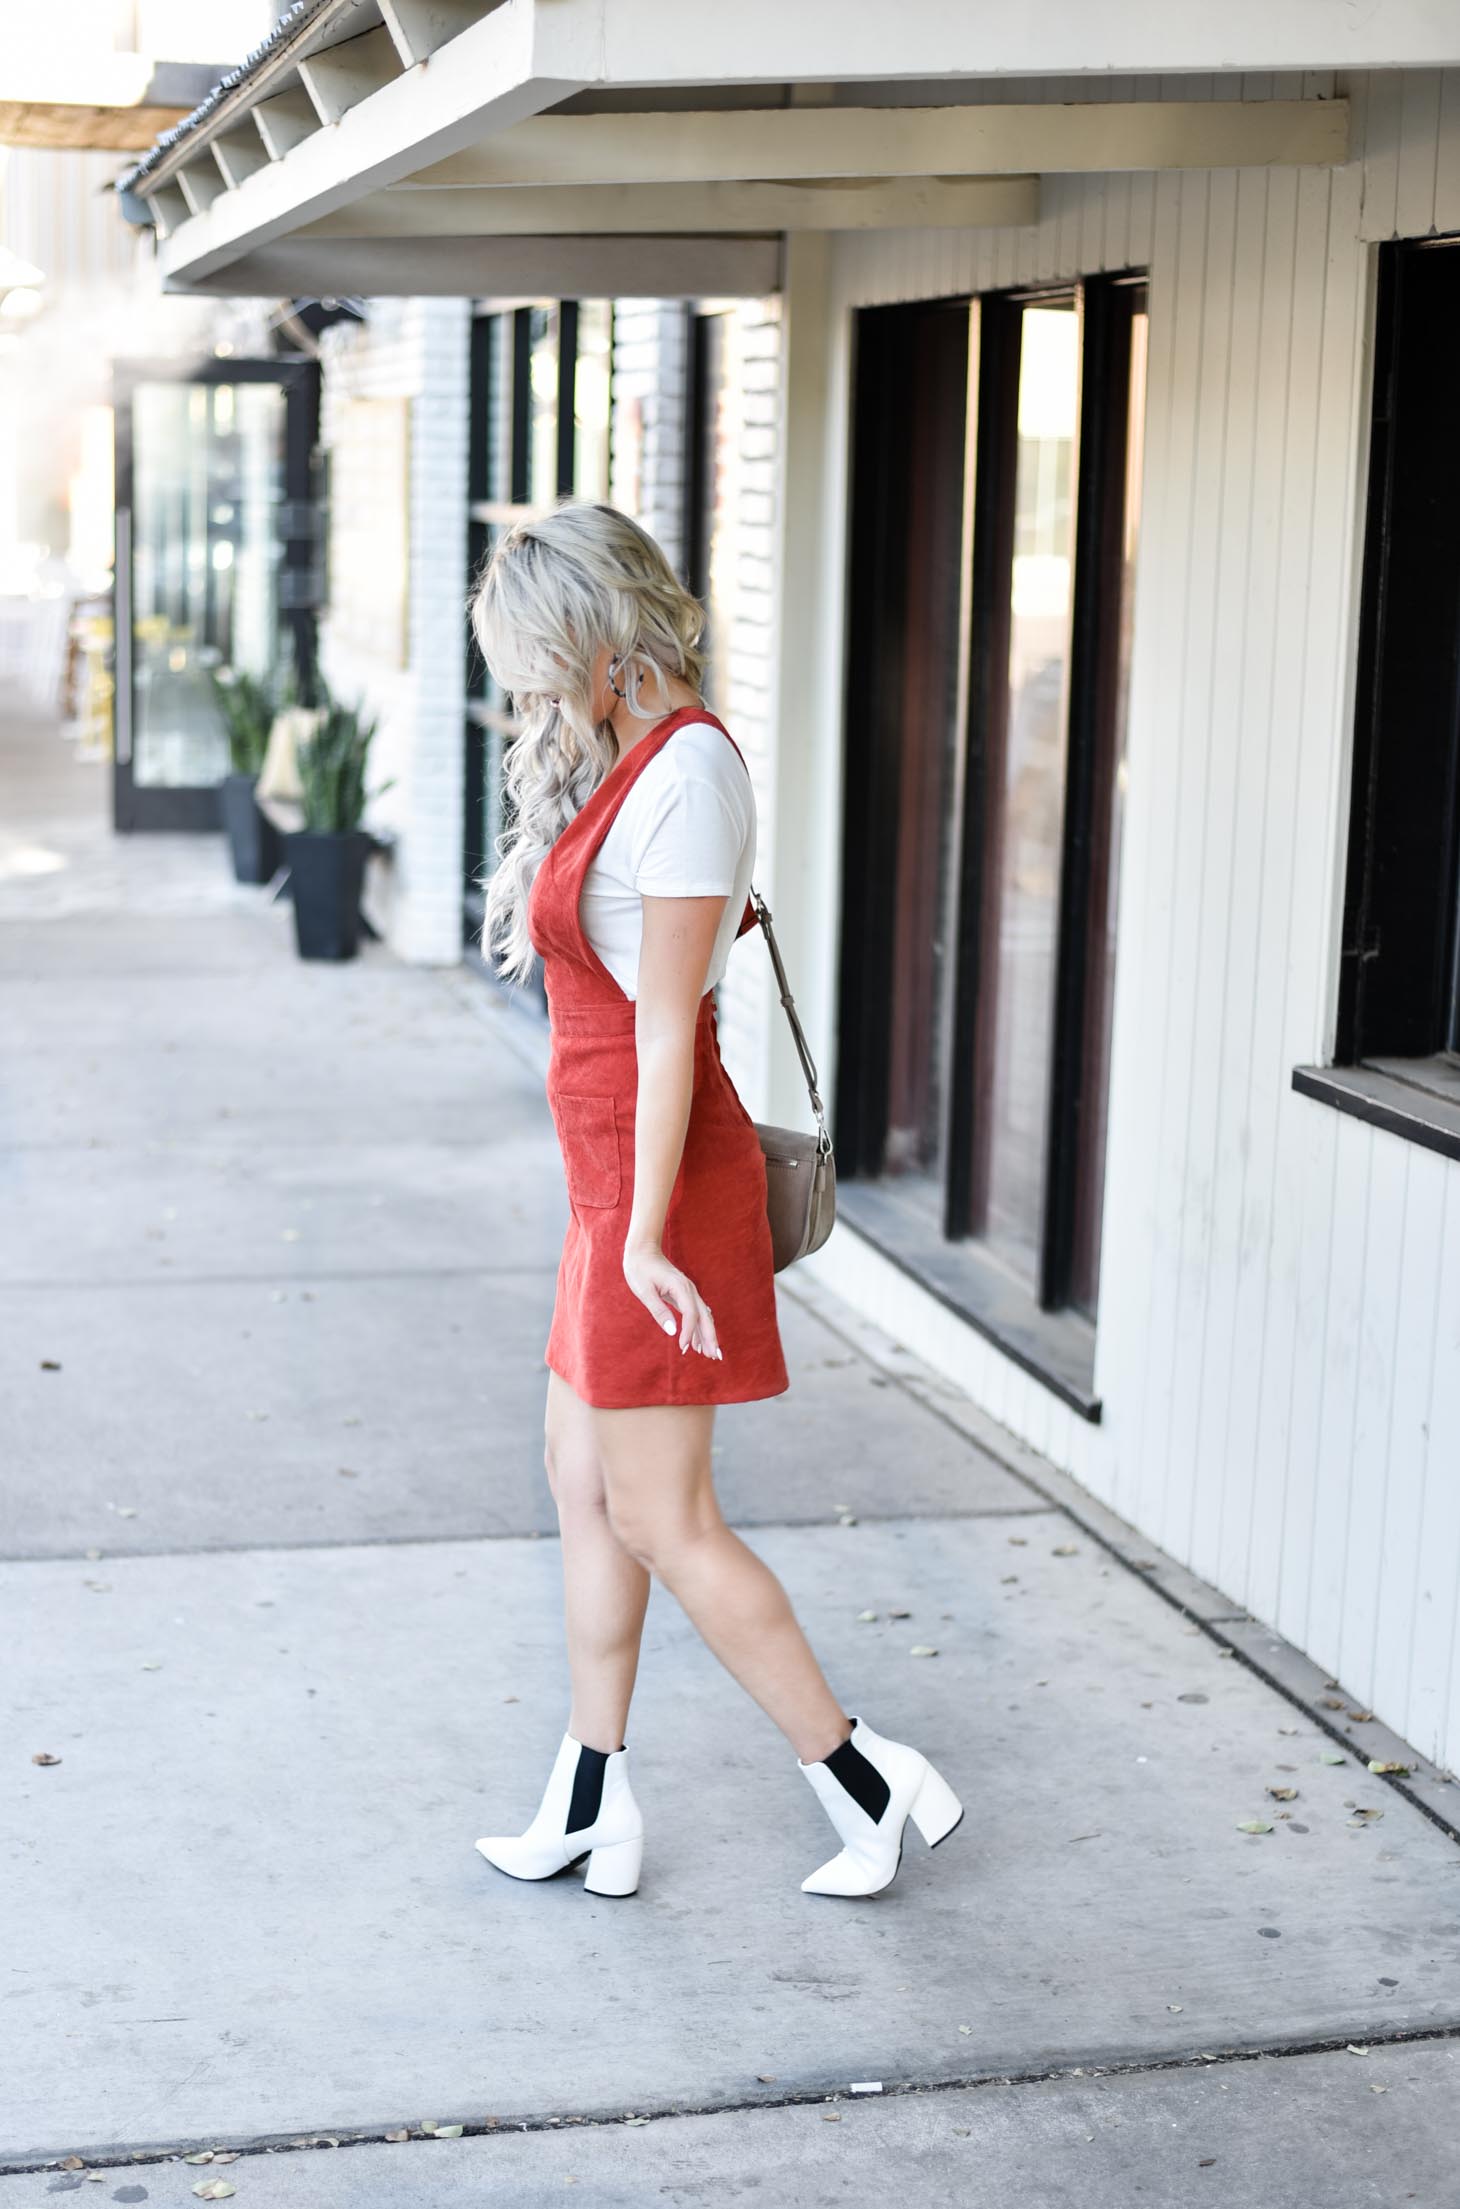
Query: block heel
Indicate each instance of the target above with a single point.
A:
(935, 1810)
(615, 1870)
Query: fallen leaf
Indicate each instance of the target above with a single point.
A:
(44, 1756)
(1019, 1541)
(72, 2163)
(965, 2028)
(1330, 1702)
(831, 2117)
(1389, 1765)
(1176, 2008)
(899, 1614)
(866, 1618)
(1065, 1549)
(214, 2189)
(922, 1649)
(1361, 1717)
(397, 2136)
(449, 2132)
(636, 2120)
(1331, 1756)
(1363, 1816)
(1253, 1825)
(153, 1667)
(767, 2078)
(1353, 2051)
(1283, 1794)
(51, 1365)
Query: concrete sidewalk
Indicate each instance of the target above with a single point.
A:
(282, 1596)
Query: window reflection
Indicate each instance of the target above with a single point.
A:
(1026, 798)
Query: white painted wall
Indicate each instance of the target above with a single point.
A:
(415, 349)
(1279, 1338)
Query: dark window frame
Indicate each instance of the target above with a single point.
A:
(1396, 1052)
(1045, 1333)
(488, 728)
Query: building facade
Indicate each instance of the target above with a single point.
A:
(1058, 558)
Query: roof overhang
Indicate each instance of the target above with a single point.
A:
(377, 146)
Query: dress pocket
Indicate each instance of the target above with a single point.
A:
(588, 1133)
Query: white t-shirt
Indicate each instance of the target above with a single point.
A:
(685, 829)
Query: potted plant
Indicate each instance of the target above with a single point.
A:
(327, 855)
(248, 704)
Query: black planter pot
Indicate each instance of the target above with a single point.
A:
(326, 875)
(252, 836)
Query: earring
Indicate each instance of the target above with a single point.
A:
(616, 661)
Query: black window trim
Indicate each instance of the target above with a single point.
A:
(1415, 1096)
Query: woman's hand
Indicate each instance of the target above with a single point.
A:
(671, 1297)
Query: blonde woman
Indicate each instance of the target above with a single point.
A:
(627, 871)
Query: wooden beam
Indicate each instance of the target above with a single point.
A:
(238, 157)
(170, 210)
(682, 267)
(200, 183)
(285, 121)
(727, 145)
(66, 127)
(421, 28)
(841, 203)
(784, 41)
(340, 77)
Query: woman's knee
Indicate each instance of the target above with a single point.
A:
(574, 1475)
(659, 1537)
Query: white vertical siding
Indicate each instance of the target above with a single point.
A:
(1278, 1349)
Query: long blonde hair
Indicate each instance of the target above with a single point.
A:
(554, 591)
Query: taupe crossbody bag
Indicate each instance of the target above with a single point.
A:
(800, 1169)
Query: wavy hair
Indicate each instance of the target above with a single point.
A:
(555, 589)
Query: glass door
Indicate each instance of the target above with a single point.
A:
(216, 561)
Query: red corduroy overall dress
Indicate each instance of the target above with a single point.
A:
(605, 1343)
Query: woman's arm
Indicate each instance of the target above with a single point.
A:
(674, 958)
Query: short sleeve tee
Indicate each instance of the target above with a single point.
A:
(686, 828)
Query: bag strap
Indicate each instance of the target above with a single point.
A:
(808, 1064)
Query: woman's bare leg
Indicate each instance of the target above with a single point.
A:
(605, 1590)
(663, 1509)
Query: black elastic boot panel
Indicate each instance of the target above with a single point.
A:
(587, 1790)
(861, 1779)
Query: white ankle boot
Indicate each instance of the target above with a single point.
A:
(868, 1798)
(587, 1809)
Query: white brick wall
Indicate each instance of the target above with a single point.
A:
(646, 464)
(647, 480)
(415, 349)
